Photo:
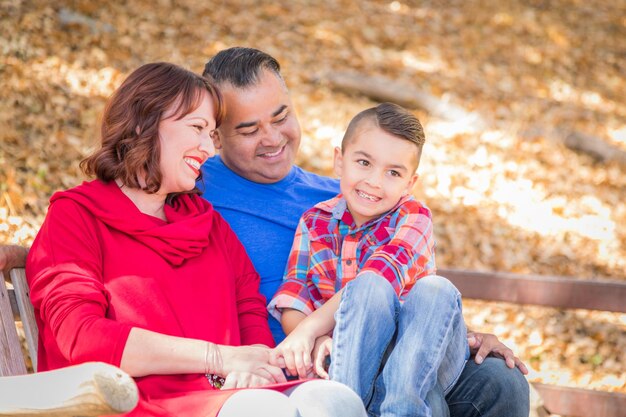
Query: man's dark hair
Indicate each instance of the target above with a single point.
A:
(240, 67)
(393, 119)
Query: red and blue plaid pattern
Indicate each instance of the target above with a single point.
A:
(329, 251)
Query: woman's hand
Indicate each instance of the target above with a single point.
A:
(248, 366)
(323, 348)
(239, 379)
(296, 351)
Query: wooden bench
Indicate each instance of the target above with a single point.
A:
(89, 389)
(560, 292)
(96, 388)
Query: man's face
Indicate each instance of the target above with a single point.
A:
(260, 135)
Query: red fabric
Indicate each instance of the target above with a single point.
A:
(100, 267)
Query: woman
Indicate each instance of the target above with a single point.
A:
(136, 270)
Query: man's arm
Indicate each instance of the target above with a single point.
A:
(12, 256)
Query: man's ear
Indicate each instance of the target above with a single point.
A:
(217, 138)
(338, 161)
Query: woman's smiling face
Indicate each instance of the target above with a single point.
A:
(186, 142)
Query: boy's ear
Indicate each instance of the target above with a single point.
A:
(411, 183)
(338, 161)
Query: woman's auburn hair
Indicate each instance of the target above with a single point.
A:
(130, 145)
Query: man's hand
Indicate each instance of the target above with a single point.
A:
(484, 344)
(12, 256)
(323, 348)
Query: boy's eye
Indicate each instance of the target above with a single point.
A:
(363, 162)
(394, 173)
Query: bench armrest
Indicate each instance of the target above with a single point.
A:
(89, 389)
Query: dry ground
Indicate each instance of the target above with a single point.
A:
(509, 196)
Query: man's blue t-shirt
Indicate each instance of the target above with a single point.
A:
(265, 216)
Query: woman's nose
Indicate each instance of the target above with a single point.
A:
(207, 146)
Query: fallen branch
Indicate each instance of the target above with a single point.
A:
(594, 147)
(68, 17)
(385, 89)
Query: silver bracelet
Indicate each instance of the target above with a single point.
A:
(212, 355)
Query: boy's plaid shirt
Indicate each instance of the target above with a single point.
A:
(399, 245)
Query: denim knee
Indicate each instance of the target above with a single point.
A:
(373, 290)
(490, 389)
(513, 388)
(434, 289)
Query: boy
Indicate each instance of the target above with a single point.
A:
(373, 241)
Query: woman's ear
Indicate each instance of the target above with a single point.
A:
(338, 161)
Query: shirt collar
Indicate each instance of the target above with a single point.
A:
(338, 208)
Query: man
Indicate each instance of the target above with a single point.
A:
(255, 185)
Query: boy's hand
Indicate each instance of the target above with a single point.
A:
(323, 348)
(296, 351)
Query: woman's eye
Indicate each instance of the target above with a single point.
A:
(198, 128)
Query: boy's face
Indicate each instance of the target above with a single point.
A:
(376, 170)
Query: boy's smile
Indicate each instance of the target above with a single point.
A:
(367, 196)
(376, 169)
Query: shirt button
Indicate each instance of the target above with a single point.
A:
(327, 239)
(349, 262)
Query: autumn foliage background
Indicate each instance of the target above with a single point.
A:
(506, 194)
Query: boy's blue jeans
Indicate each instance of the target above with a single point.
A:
(393, 355)
(367, 306)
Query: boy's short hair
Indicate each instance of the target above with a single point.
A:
(393, 119)
(240, 67)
